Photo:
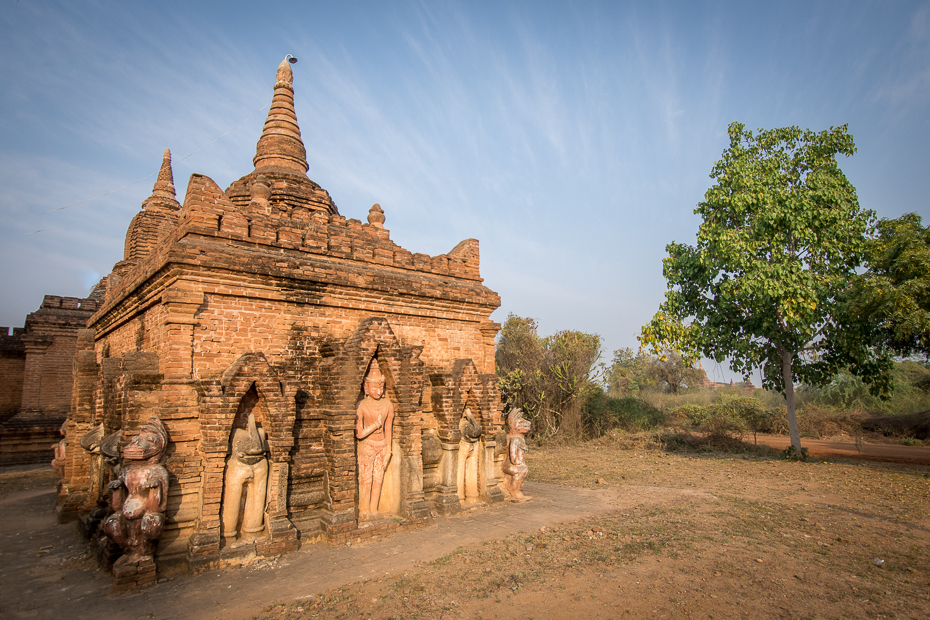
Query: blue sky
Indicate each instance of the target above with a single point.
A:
(572, 139)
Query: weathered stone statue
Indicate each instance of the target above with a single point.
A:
(246, 474)
(103, 460)
(374, 419)
(109, 451)
(469, 449)
(140, 495)
(90, 443)
(106, 459)
(58, 462)
(514, 466)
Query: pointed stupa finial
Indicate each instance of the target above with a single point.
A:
(163, 193)
(280, 145)
(164, 185)
(284, 74)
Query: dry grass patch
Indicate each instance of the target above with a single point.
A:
(702, 535)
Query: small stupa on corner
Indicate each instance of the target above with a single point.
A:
(158, 217)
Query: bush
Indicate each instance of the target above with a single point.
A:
(550, 377)
(603, 413)
(691, 414)
(915, 425)
(846, 393)
(674, 441)
(776, 421)
(731, 416)
(725, 419)
(791, 454)
(668, 402)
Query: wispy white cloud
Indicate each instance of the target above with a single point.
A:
(573, 141)
(909, 81)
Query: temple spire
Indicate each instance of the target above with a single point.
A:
(163, 193)
(280, 145)
(157, 219)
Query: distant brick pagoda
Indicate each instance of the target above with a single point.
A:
(257, 311)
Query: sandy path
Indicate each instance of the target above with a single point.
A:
(40, 578)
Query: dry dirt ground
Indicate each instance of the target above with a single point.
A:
(881, 449)
(683, 535)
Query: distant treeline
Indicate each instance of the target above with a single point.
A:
(569, 394)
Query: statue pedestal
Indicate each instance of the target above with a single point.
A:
(388, 526)
(132, 575)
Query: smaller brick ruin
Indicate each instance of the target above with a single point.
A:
(261, 307)
(36, 369)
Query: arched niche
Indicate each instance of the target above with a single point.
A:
(453, 392)
(249, 385)
(390, 496)
(342, 374)
(245, 478)
(470, 467)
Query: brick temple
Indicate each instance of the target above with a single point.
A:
(262, 305)
(35, 376)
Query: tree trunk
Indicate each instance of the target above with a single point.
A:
(570, 427)
(788, 376)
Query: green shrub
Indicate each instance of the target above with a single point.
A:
(775, 421)
(725, 419)
(791, 454)
(603, 413)
(846, 393)
(690, 414)
(667, 402)
(675, 441)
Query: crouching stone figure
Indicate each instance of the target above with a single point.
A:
(514, 467)
(140, 495)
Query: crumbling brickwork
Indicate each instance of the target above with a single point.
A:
(264, 300)
(12, 369)
(36, 369)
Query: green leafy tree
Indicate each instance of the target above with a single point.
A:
(520, 359)
(633, 371)
(573, 374)
(674, 372)
(551, 377)
(781, 237)
(895, 289)
(628, 372)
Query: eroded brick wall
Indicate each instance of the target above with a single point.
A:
(50, 338)
(36, 378)
(12, 367)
